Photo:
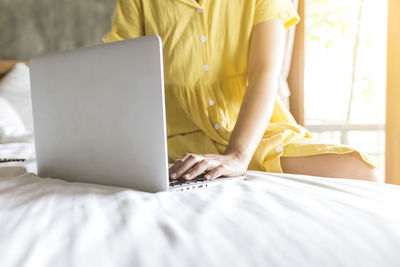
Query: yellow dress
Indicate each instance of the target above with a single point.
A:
(205, 47)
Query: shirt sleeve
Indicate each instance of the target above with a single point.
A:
(128, 21)
(276, 9)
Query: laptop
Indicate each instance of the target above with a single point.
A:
(99, 116)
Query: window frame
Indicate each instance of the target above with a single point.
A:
(392, 127)
(393, 95)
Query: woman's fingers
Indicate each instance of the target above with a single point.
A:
(200, 167)
(215, 173)
(172, 170)
(177, 164)
(191, 166)
(184, 166)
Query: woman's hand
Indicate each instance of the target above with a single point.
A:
(191, 166)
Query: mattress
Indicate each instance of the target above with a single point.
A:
(265, 220)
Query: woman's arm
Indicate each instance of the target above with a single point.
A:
(264, 66)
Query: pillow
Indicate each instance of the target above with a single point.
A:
(12, 128)
(15, 88)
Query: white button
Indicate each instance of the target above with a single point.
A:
(205, 68)
(211, 102)
(203, 39)
(199, 10)
(279, 149)
(216, 126)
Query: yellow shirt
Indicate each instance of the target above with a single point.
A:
(205, 48)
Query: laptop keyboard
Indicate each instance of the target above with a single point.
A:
(182, 182)
(181, 185)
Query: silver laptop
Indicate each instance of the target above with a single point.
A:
(99, 116)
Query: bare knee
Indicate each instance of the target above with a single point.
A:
(331, 165)
(357, 168)
(370, 174)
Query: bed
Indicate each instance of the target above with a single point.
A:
(266, 220)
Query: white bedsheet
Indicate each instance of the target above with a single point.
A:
(269, 220)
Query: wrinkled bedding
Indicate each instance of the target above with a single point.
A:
(267, 220)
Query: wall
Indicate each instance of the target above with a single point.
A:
(34, 27)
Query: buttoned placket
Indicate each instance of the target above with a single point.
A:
(204, 41)
(199, 8)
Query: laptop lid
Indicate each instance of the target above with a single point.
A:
(99, 114)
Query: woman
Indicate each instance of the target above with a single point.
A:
(222, 63)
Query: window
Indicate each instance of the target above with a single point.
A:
(345, 73)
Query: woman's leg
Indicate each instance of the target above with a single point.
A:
(330, 165)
